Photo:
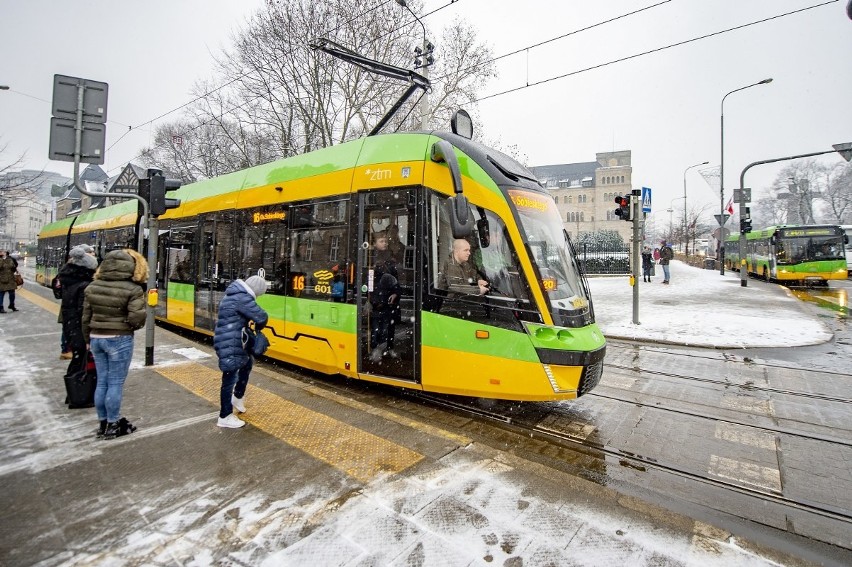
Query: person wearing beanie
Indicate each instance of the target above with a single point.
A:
(257, 285)
(74, 277)
(113, 309)
(237, 308)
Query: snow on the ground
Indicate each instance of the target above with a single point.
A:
(703, 308)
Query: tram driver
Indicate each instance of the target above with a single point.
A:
(458, 275)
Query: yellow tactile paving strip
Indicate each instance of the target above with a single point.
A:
(358, 453)
(45, 304)
(367, 408)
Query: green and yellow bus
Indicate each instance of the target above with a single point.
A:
(307, 222)
(792, 254)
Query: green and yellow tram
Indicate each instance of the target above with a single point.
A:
(308, 222)
(797, 255)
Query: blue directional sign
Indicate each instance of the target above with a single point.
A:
(646, 199)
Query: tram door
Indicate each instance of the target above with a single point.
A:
(214, 267)
(178, 275)
(388, 318)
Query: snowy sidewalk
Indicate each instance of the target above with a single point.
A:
(702, 308)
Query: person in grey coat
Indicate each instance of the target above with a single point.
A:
(238, 307)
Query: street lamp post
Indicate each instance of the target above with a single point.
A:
(721, 253)
(685, 232)
(670, 210)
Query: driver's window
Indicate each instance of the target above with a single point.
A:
(477, 277)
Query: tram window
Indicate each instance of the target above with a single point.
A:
(180, 255)
(118, 239)
(317, 251)
(262, 244)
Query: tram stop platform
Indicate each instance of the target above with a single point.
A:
(704, 308)
(315, 478)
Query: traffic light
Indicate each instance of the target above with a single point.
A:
(623, 211)
(424, 58)
(745, 222)
(158, 202)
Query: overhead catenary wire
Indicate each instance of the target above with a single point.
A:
(537, 44)
(655, 50)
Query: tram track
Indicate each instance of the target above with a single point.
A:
(725, 357)
(750, 387)
(638, 462)
(767, 427)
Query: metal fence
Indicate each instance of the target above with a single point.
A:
(596, 258)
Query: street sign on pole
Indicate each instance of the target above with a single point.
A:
(646, 199)
(65, 98)
(79, 107)
(742, 195)
(722, 219)
(62, 141)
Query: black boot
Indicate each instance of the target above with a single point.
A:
(125, 427)
(111, 431)
(101, 429)
(13, 308)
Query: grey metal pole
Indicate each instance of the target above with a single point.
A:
(424, 100)
(685, 229)
(153, 229)
(722, 223)
(743, 242)
(78, 142)
(635, 208)
(721, 246)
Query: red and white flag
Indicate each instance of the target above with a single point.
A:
(730, 207)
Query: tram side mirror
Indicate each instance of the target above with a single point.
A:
(484, 232)
(461, 220)
(462, 124)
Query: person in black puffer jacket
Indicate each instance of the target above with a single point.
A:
(238, 307)
(113, 310)
(74, 277)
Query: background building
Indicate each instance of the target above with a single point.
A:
(585, 192)
(26, 204)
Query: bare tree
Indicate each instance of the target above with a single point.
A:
(769, 210)
(282, 98)
(838, 193)
(800, 184)
(696, 225)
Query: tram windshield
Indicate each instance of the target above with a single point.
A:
(795, 246)
(560, 274)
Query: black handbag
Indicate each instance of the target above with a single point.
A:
(80, 386)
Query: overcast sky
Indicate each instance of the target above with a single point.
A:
(665, 107)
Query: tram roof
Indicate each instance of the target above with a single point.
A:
(490, 167)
